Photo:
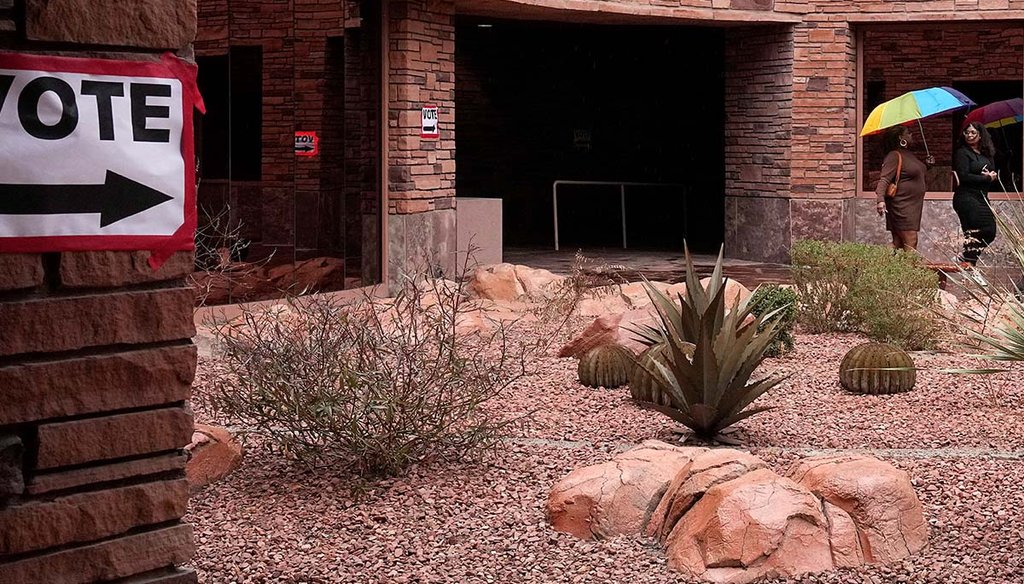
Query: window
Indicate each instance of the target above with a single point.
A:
(229, 136)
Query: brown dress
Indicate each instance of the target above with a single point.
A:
(903, 211)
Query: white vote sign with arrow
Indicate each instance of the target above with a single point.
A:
(96, 154)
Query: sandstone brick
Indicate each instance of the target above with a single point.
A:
(20, 270)
(47, 482)
(68, 323)
(156, 24)
(108, 560)
(95, 269)
(110, 437)
(83, 385)
(89, 516)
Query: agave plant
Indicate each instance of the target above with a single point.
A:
(711, 390)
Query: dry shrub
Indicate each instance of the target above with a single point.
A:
(888, 296)
(372, 386)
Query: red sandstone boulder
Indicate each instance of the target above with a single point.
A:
(538, 284)
(875, 513)
(733, 290)
(603, 331)
(616, 497)
(497, 282)
(214, 453)
(757, 525)
(508, 282)
(693, 481)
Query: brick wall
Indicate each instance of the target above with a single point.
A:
(759, 141)
(421, 173)
(96, 367)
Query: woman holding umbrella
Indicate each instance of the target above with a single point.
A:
(974, 166)
(901, 188)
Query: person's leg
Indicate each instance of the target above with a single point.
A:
(897, 239)
(908, 239)
(966, 209)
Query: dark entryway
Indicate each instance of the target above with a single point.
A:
(540, 102)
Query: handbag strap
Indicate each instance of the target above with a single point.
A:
(899, 168)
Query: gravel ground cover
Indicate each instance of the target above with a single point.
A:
(958, 436)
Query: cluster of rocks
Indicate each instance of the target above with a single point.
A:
(724, 516)
(245, 282)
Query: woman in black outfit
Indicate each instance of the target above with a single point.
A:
(974, 164)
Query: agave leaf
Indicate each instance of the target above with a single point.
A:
(730, 420)
(745, 395)
(678, 415)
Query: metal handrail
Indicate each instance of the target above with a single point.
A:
(622, 197)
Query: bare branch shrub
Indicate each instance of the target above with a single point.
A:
(372, 386)
(220, 248)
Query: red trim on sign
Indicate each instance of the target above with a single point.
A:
(170, 67)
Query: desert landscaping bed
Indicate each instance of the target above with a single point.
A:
(958, 436)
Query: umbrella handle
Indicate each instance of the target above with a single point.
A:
(923, 139)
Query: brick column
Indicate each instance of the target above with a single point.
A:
(759, 142)
(96, 364)
(421, 173)
(824, 111)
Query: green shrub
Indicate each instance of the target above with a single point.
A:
(771, 297)
(866, 288)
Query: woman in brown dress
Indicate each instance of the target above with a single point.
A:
(902, 211)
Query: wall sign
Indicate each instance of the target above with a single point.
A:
(97, 154)
(428, 127)
(307, 144)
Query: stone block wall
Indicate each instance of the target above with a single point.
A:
(421, 173)
(759, 141)
(96, 362)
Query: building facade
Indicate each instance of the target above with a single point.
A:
(733, 121)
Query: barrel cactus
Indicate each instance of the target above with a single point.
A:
(877, 368)
(642, 385)
(606, 366)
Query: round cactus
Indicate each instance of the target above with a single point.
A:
(877, 368)
(642, 386)
(606, 366)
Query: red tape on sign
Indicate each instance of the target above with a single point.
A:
(98, 154)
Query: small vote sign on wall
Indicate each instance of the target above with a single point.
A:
(428, 128)
(97, 154)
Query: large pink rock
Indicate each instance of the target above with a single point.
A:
(873, 502)
(497, 282)
(214, 453)
(507, 282)
(616, 497)
(538, 284)
(757, 525)
(733, 291)
(693, 481)
(603, 331)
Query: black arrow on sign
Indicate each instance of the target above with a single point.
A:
(117, 198)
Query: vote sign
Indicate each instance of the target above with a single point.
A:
(97, 154)
(429, 129)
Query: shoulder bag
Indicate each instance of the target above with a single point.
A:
(890, 191)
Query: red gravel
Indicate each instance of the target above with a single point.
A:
(956, 435)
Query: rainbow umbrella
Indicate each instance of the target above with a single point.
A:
(998, 114)
(914, 106)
